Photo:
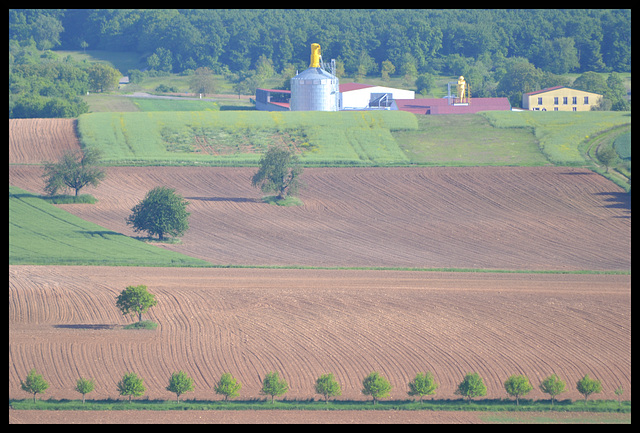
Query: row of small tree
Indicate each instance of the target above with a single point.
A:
(374, 385)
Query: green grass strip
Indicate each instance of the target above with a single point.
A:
(483, 405)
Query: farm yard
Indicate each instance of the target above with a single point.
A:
(305, 322)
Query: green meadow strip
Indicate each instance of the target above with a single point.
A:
(43, 234)
(481, 405)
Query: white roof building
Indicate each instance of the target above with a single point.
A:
(356, 96)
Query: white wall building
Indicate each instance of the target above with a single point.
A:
(356, 96)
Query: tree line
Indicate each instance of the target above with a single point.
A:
(554, 40)
(374, 385)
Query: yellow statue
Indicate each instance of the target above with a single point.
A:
(461, 88)
(315, 56)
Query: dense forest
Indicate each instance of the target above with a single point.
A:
(484, 43)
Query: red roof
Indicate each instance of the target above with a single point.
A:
(545, 90)
(441, 105)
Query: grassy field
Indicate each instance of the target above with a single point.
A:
(43, 234)
(562, 136)
(481, 405)
(239, 137)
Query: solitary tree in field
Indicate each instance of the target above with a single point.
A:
(517, 386)
(587, 386)
(34, 384)
(161, 212)
(75, 170)
(553, 386)
(179, 383)
(471, 386)
(423, 384)
(131, 385)
(228, 386)
(273, 385)
(279, 172)
(328, 386)
(376, 386)
(85, 386)
(135, 300)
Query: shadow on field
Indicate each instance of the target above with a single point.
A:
(86, 326)
(617, 200)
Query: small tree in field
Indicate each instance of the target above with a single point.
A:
(131, 385)
(376, 386)
(423, 384)
(34, 384)
(279, 172)
(328, 386)
(75, 170)
(587, 386)
(553, 386)
(162, 212)
(85, 386)
(273, 385)
(135, 300)
(228, 386)
(179, 383)
(517, 386)
(471, 386)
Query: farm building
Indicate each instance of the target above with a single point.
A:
(272, 99)
(352, 96)
(560, 98)
(356, 96)
(443, 106)
(366, 97)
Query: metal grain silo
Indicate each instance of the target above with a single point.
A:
(314, 89)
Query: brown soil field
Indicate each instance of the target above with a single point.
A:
(32, 141)
(539, 218)
(63, 320)
(303, 323)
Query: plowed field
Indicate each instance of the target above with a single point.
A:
(63, 322)
(455, 217)
(32, 141)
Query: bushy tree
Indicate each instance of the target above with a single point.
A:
(135, 300)
(328, 386)
(423, 384)
(131, 385)
(553, 386)
(279, 172)
(471, 386)
(179, 383)
(34, 384)
(228, 386)
(161, 212)
(376, 386)
(75, 170)
(517, 386)
(85, 386)
(273, 385)
(587, 386)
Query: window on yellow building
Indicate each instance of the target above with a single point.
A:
(555, 100)
(586, 100)
(540, 101)
(565, 100)
(574, 100)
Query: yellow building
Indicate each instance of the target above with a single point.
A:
(560, 98)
